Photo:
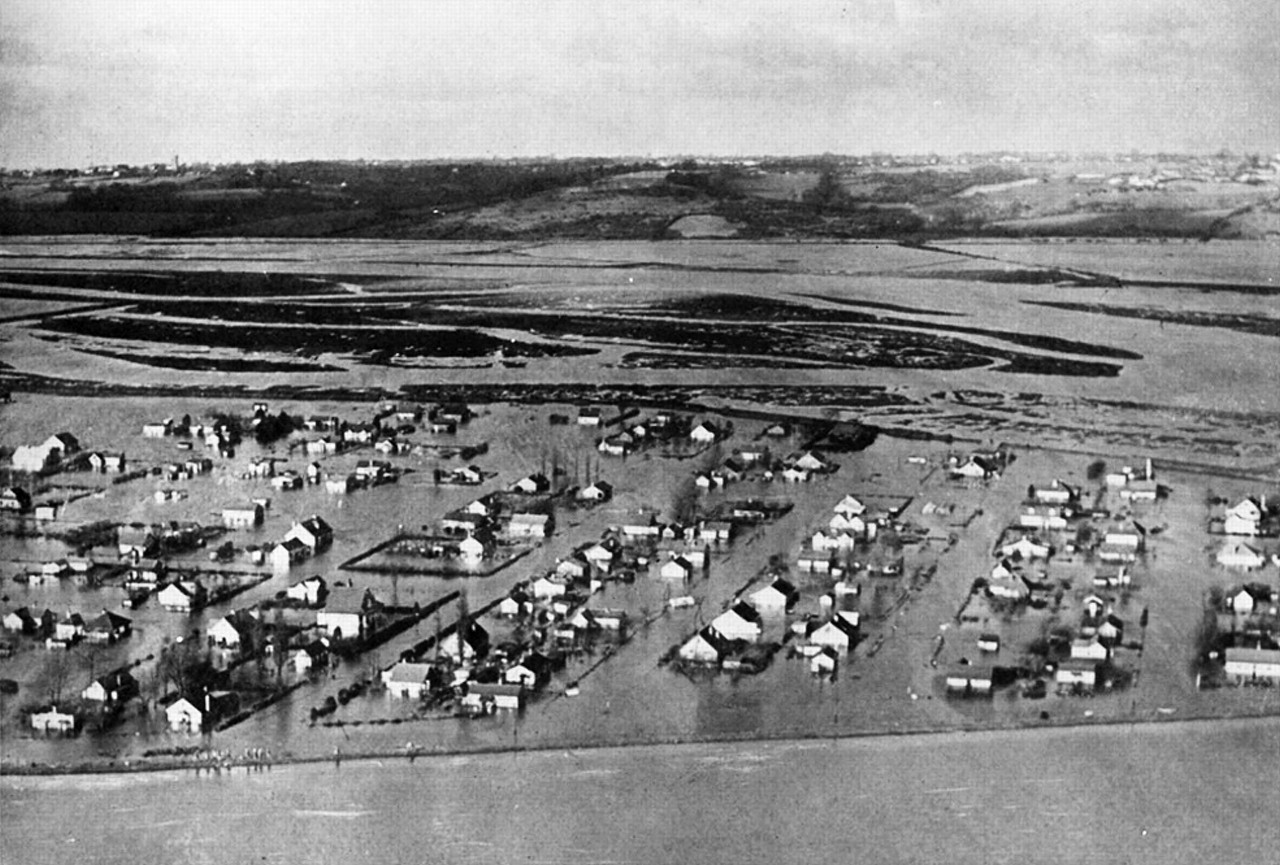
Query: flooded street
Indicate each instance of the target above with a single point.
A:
(1161, 793)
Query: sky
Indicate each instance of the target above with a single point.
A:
(136, 81)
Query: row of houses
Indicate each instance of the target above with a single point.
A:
(67, 630)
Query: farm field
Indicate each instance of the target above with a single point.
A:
(920, 346)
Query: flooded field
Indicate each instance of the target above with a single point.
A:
(885, 367)
(1047, 796)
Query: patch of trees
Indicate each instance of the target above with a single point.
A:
(272, 428)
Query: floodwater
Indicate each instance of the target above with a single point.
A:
(1167, 793)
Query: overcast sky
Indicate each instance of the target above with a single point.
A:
(141, 81)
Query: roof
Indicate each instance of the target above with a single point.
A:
(316, 525)
(1253, 656)
(409, 673)
(713, 638)
(745, 611)
(970, 671)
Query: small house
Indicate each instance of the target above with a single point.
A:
(1252, 665)
(778, 596)
(740, 622)
(840, 633)
(53, 721)
(244, 516)
(676, 568)
(112, 689)
(600, 491)
(705, 647)
(970, 680)
(1240, 555)
(406, 680)
(1077, 674)
(15, 499)
(465, 644)
(486, 697)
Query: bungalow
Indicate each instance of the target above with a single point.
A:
(20, 621)
(795, 475)
(181, 596)
(1026, 548)
(1057, 494)
(513, 606)
(1140, 491)
(1077, 674)
(287, 480)
(106, 463)
(454, 412)
(849, 506)
(575, 567)
(360, 433)
(314, 532)
(15, 499)
(970, 680)
(824, 662)
(490, 696)
(469, 643)
(406, 680)
(1112, 578)
(777, 430)
(196, 715)
(706, 433)
(461, 522)
(676, 568)
(53, 721)
(778, 596)
(1089, 649)
(814, 561)
(137, 540)
(440, 427)
(310, 591)
(340, 486)
(988, 642)
(194, 466)
(112, 689)
(705, 481)
(600, 491)
(244, 516)
(69, 628)
(976, 468)
(545, 587)
(372, 471)
(601, 554)
(480, 507)
(107, 628)
(313, 655)
(524, 525)
(645, 528)
(287, 553)
(616, 445)
(589, 416)
(740, 622)
(1009, 588)
(1131, 535)
(752, 455)
(471, 548)
(533, 671)
(1245, 518)
(1252, 665)
(715, 532)
(840, 633)
(822, 541)
(531, 484)
(323, 446)
(1042, 517)
(234, 630)
(46, 512)
(705, 647)
(1110, 630)
(350, 614)
(1238, 554)
(157, 429)
(262, 467)
(811, 461)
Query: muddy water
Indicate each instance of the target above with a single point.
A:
(1167, 793)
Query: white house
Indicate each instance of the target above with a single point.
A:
(1250, 665)
(778, 596)
(287, 553)
(706, 432)
(676, 568)
(849, 506)
(244, 516)
(1238, 554)
(1027, 548)
(308, 591)
(739, 622)
(704, 647)
(840, 633)
(1244, 518)
(600, 491)
(406, 680)
(1077, 673)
